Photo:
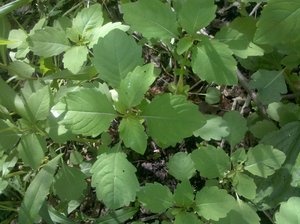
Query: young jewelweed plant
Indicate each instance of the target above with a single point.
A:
(177, 111)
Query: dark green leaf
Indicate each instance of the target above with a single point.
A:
(36, 192)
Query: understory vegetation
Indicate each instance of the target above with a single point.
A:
(150, 111)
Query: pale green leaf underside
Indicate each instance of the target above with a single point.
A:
(213, 61)
(278, 23)
(289, 211)
(74, 58)
(153, 19)
(115, 55)
(195, 14)
(88, 19)
(86, 111)
(48, 42)
(167, 113)
(263, 160)
(115, 180)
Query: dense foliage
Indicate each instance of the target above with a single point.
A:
(150, 111)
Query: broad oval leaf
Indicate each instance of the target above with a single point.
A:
(181, 166)
(153, 19)
(184, 194)
(48, 42)
(241, 213)
(155, 197)
(75, 57)
(115, 55)
(167, 113)
(86, 111)
(115, 180)
(8, 137)
(211, 162)
(244, 185)
(263, 160)
(213, 61)
(213, 203)
(187, 217)
(69, 183)
(278, 22)
(289, 211)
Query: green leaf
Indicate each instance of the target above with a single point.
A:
(262, 128)
(133, 87)
(104, 30)
(238, 35)
(69, 183)
(86, 111)
(153, 19)
(263, 160)
(237, 127)
(181, 166)
(8, 136)
(186, 217)
(48, 42)
(4, 33)
(277, 23)
(39, 103)
(37, 191)
(213, 203)
(20, 69)
(284, 113)
(241, 213)
(132, 133)
(75, 57)
(211, 162)
(155, 197)
(195, 15)
(295, 172)
(212, 95)
(215, 128)
(289, 211)
(213, 61)
(184, 194)
(244, 185)
(11, 6)
(87, 20)
(115, 55)
(115, 217)
(184, 44)
(115, 180)
(32, 150)
(167, 113)
(18, 38)
(270, 85)
(277, 188)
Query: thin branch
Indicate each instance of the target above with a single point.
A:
(254, 10)
(244, 82)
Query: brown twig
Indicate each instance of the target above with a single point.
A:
(244, 82)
